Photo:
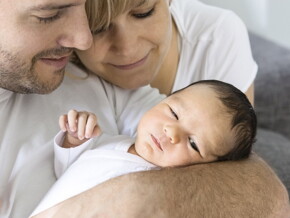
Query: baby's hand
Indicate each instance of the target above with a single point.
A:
(80, 127)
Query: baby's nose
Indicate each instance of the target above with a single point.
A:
(173, 133)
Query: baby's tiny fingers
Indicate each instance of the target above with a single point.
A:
(62, 121)
(91, 124)
(97, 131)
(72, 120)
(82, 122)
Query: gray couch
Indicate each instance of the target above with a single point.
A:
(272, 104)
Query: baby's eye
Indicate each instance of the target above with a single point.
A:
(193, 144)
(173, 113)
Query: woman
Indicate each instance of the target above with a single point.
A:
(151, 42)
(170, 45)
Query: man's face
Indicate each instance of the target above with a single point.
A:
(36, 40)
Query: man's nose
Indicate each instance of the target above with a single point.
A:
(76, 33)
(173, 133)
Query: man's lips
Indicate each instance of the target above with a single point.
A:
(131, 66)
(57, 62)
(156, 142)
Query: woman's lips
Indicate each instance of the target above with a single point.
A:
(131, 66)
(156, 142)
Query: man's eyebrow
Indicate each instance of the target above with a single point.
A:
(49, 7)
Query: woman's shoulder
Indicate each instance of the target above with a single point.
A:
(196, 20)
(196, 9)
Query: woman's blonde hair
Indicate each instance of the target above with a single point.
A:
(101, 12)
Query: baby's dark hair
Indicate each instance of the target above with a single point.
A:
(244, 119)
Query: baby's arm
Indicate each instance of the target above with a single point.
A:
(79, 127)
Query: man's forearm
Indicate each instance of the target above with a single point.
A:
(226, 189)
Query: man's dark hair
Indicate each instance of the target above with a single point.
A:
(244, 119)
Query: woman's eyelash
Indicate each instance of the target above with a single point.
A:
(173, 113)
(98, 31)
(144, 15)
(102, 29)
(193, 144)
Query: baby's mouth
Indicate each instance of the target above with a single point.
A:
(156, 142)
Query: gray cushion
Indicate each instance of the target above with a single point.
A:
(274, 148)
(272, 85)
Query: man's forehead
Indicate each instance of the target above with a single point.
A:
(40, 5)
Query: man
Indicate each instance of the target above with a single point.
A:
(36, 39)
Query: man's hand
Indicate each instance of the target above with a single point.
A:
(79, 127)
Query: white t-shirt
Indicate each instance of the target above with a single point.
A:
(99, 159)
(30, 122)
(214, 44)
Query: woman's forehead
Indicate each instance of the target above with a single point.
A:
(137, 3)
(107, 10)
(131, 4)
(141, 2)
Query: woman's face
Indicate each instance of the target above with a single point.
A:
(130, 53)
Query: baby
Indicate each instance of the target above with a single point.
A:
(204, 122)
(207, 121)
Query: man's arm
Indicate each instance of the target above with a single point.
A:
(246, 188)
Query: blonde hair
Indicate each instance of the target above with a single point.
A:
(101, 12)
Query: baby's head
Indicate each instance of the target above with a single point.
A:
(207, 121)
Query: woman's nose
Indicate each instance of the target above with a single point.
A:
(173, 133)
(124, 41)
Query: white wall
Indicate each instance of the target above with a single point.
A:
(269, 18)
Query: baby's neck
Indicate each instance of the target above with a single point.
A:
(132, 150)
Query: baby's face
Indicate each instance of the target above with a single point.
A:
(186, 128)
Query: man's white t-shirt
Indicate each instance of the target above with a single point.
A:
(213, 45)
(30, 122)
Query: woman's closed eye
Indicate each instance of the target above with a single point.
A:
(98, 31)
(144, 15)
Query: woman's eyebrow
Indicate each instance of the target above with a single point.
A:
(141, 3)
